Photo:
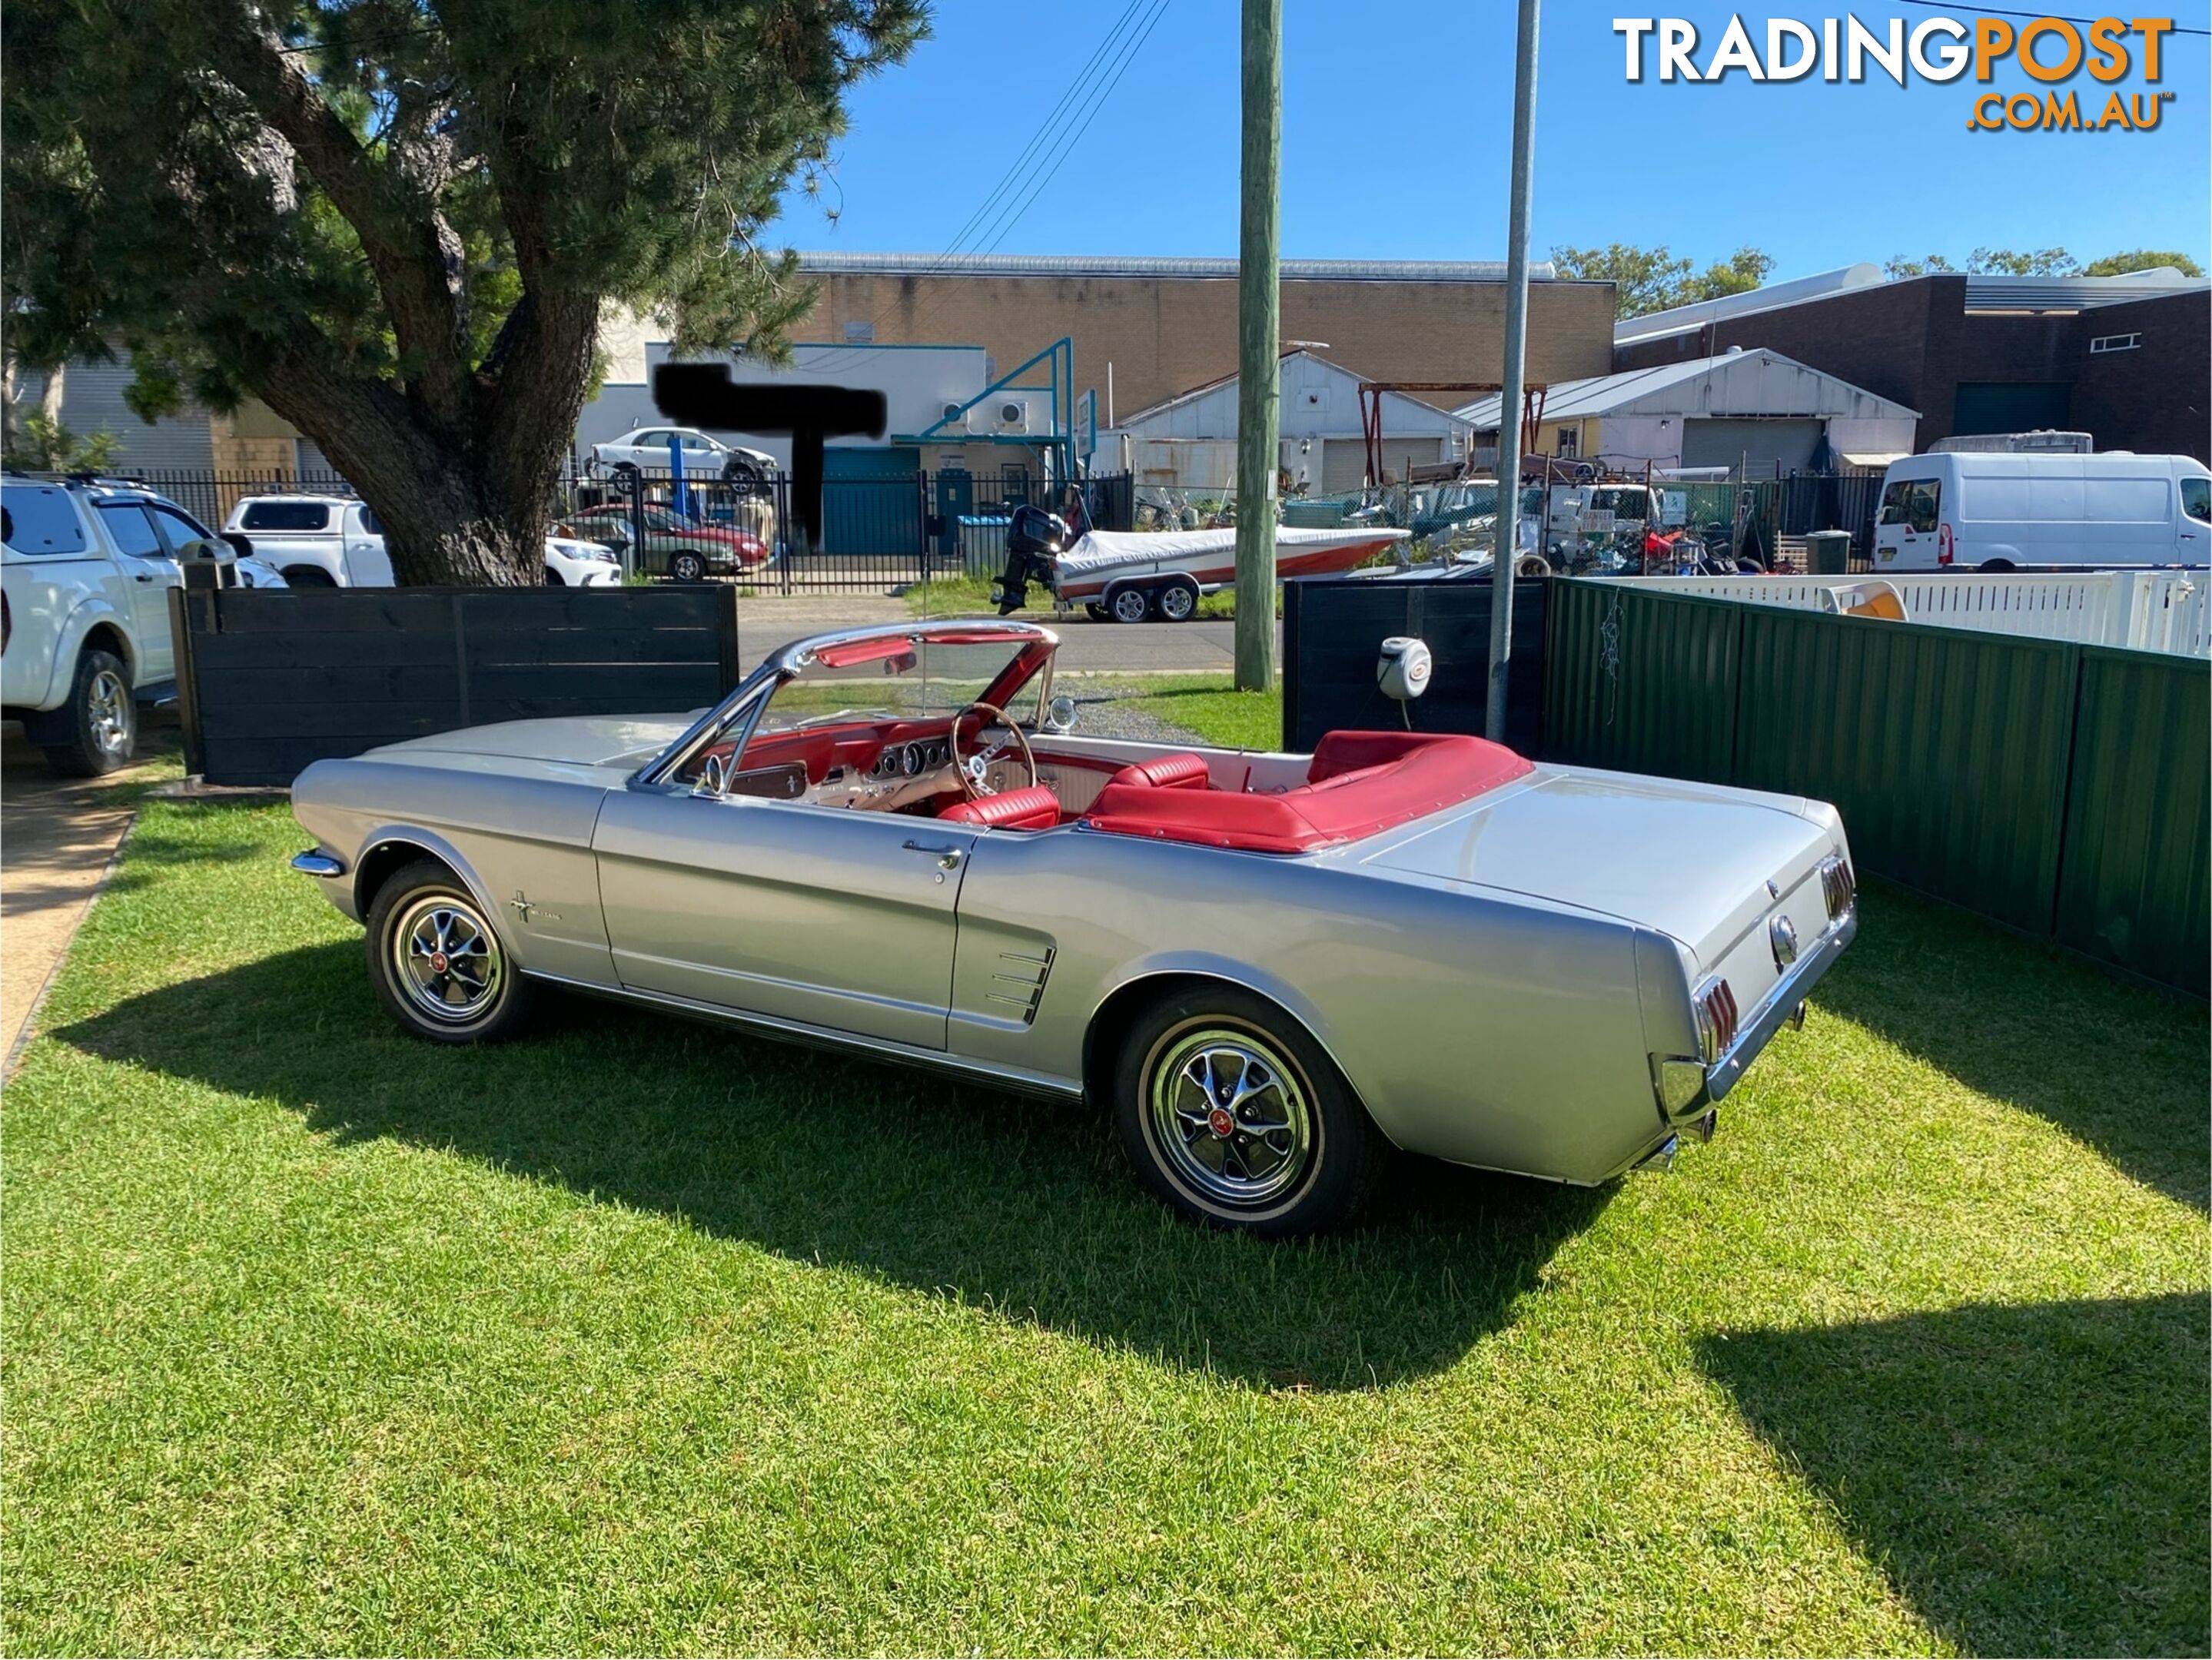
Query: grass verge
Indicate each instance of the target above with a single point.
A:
(641, 1336)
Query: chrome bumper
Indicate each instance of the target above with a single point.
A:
(1788, 993)
(316, 862)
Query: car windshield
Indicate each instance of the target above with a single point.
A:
(894, 678)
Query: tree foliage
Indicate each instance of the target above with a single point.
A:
(1654, 279)
(398, 222)
(2041, 262)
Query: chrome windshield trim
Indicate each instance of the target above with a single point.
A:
(1789, 992)
(788, 661)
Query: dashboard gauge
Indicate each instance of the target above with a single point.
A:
(911, 759)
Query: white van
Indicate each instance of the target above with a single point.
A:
(1988, 512)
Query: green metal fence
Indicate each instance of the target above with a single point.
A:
(2063, 790)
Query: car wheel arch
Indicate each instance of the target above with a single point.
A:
(388, 852)
(1118, 1011)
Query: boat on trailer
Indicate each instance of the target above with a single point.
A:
(1129, 576)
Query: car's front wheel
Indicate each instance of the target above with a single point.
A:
(102, 719)
(437, 964)
(688, 567)
(1233, 1115)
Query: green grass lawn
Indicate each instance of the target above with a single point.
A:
(643, 1336)
(1204, 704)
(970, 596)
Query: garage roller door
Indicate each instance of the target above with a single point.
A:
(1784, 446)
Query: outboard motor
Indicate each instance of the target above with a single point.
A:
(1033, 538)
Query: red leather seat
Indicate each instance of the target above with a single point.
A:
(1360, 783)
(1034, 808)
(1180, 771)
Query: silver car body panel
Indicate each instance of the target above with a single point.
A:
(1498, 981)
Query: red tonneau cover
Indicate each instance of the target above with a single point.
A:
(1360, 783)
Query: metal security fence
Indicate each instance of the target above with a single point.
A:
(209, 496)
(2062, 789)
(876, 529)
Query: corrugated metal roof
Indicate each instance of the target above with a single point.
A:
(1987, 294)
(826, 264)
(1658, 324)
(1336, 370)
(1757, 382)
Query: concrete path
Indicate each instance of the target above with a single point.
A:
(1087, 646)
(56, 836)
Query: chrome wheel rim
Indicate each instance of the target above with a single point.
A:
(1230, 1116)
(446, 959)
(107, 708)
(1129, 607)
(1176, 604)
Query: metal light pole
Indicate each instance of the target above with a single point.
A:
(1258, 328)
(1514, 392)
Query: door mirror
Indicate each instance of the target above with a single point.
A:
(1060, 715)
(713, 778)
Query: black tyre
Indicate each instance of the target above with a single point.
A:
(743, 478)
(1095, 611)
(1233, 1115)
(1993, 567)
(1128, 604)
(687, 567)
(437, 961)
(553, 578)
(1178, 601)
(101, 719)
(307, 576)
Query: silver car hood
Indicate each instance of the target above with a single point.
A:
(1689, 859)
(621, 742)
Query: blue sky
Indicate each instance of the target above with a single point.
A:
(1396, 121)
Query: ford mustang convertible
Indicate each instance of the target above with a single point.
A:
(1270, 968)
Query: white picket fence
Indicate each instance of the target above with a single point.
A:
(2149, 611)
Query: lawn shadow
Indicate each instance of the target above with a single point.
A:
(942, 1187)
(2034, 1479)
(2121, 1067)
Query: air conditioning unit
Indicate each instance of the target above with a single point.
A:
(952, 419)
(1008, 413)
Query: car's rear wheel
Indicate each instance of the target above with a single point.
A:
(437, 961)
(101, 716)
(688, 567)
(1233, 1115)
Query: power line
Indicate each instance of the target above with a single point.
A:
(1040, 169)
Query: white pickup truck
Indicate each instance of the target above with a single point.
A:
(335, 541)
(84, 617)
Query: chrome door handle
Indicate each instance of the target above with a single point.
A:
(947, 858)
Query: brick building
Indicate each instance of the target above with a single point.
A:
(1166, 325)
(2125, 359)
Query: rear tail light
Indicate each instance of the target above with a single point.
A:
(1838, 886)
(1717, 1018)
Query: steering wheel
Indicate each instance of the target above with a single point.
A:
(972, 771)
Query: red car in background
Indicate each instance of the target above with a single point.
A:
(674, 546)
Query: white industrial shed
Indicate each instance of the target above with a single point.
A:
(1189, 441)
(1755, 407)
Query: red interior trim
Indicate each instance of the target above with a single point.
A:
(1361, 784)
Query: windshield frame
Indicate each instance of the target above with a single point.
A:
(738, 714)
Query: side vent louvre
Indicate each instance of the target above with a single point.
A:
(1020, 981)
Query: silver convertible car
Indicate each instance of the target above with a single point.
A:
(1271, 969)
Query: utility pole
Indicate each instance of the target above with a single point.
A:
(1514, 393)
(1259, 329)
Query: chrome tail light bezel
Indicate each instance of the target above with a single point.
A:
(1719, 1018)
(1839, 886)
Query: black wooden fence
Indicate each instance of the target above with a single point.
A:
(1331, 630)
(270, 680)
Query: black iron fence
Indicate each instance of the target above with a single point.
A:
(878, 530)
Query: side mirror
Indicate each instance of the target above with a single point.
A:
(1060, 715)
(713, 778)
